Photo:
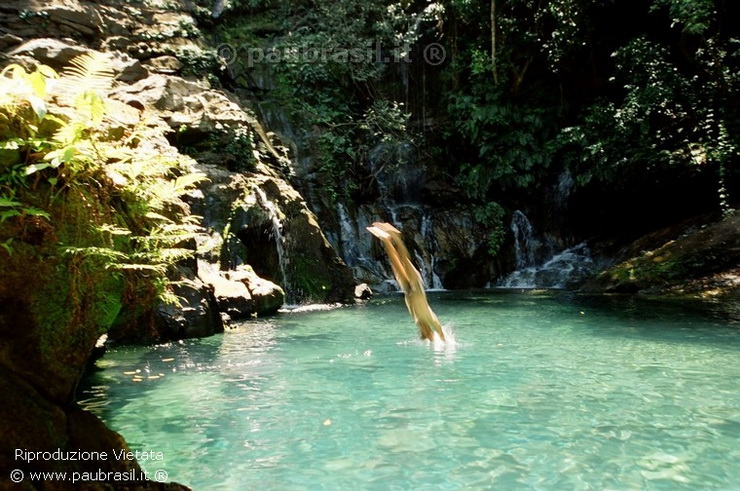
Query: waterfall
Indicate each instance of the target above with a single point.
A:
(356, 245)
(347, 234)
(563, 189)
(559, 270)
(277, 234)
(562, 270)
(399, 177)
(525, 244)
(430, 277)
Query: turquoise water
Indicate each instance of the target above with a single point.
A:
(541, 391)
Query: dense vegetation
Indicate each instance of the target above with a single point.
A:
(88, 200)
(632, 105)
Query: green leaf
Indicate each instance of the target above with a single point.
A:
(37, 212)
(9, 202)
(38, 105)
(4, 215)
(90, 72)
(7, 245)
(113, 230)
(33, 168)
(156, 216)
(38, 84)
(183, 183)
(69, 154)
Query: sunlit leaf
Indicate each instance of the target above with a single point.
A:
(38, 106)
(38, 84)
(33, 168)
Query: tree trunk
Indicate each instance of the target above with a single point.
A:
(494, 69)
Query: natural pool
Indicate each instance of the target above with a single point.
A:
(544, 390)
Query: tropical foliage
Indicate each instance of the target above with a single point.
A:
(107, 194)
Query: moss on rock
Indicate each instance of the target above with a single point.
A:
(697, 262)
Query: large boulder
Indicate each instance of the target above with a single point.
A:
(57, 54)
(193, 316)
(232, 297)
(185, 105)
(266, 295)
(60, 18)
(241, 293)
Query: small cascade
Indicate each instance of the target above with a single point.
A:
(277, 234)
(357, 249)
(430, 277)
(557, 270)
(416, 223)
(563, 189)
(347, 232)
(525, 243)
(560, 271)
(354, 248)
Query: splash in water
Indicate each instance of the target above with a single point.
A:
(409, 279)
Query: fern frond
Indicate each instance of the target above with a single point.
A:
(185, 182)
(89, 72)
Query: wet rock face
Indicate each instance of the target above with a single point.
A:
(448, 246)
(261, 221)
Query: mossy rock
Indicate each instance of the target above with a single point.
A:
(699, 262)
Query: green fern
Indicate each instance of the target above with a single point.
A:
(90, 72)
(73, 153)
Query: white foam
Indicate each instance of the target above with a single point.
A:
(316, 307)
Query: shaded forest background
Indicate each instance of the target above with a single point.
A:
(627, 110)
